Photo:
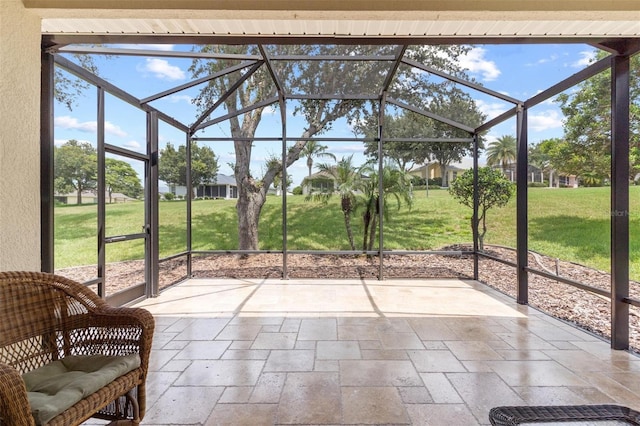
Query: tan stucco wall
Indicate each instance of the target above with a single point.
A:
(19, 137)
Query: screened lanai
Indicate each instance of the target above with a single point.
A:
(366, 81)
(349, 351)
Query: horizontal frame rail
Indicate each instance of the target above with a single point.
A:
(338, 252)
(497, 259)
(569, 281)
(173, 256)
(558, 278)
(632, 302)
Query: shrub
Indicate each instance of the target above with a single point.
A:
(494, 190)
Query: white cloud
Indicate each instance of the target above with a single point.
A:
(586, 57)
(475, 62)
(179, 98)
(67, 122)
(546, 120)
(541, 61)
(271, 110)
(134, 145)
(113, 129)
(161, 69)
(491, 109)
(349, 149)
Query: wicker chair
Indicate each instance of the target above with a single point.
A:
(45, 318)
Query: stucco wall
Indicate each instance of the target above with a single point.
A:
(19, 137)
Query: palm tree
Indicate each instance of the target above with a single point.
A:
(314, 149)
(347, 182)
(396, 184)
(502, 151)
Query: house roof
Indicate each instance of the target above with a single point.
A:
(431, 165)
(225, 180)
(317, 175)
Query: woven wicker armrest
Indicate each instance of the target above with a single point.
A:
(14, 405)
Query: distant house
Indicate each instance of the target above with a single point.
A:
(433, 171)
(318, 182)
(535, 175)
(223, 187)
(321, 182)
(91, 197)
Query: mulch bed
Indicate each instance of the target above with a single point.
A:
(584, 309)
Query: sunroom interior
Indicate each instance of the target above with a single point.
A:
(382, 43)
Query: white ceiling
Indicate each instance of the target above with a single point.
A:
(355, 18)
(357, 28)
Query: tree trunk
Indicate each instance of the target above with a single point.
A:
(347, 224)
(372, 232)
(252, 193)
(366, 220)
(79, 195)
(550, 178)
(483, 233)
(443, 175)
(248, 207)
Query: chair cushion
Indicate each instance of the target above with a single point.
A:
(60, 384)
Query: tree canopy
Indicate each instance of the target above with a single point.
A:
(451, 103)
(587, 130)
(120, 177)
(173, 165)
(313, 149)
(75, 168)
(502, 152)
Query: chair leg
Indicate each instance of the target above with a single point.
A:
(135, 421)
(134, 405)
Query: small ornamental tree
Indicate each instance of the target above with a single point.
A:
(494, 190)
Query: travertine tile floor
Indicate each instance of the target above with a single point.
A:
(422, 352)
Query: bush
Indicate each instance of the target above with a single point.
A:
(297, 190)
(422, 188)
(169, 196)
(418, 181)
(435, 182)
(494, 190)
(421, 182)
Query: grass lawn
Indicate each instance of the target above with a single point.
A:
(571, 224)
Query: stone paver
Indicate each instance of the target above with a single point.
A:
(324, 353)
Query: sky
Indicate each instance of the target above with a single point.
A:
(520, 71)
